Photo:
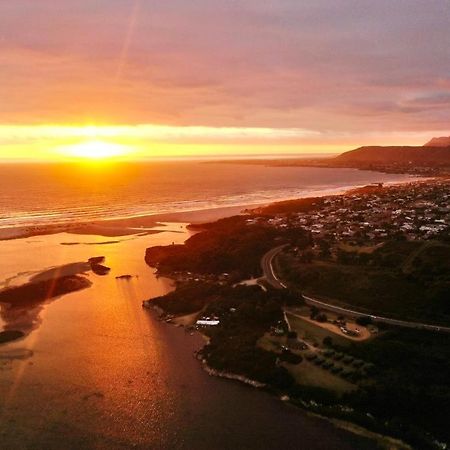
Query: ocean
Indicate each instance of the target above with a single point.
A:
(39, 194)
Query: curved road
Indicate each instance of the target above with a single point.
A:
(267, 267)
(272, 278)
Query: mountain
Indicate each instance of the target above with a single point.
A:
(429, 156)
(443, 141)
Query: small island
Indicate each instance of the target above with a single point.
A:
(20, 306)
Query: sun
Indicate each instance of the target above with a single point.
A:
(95, 150)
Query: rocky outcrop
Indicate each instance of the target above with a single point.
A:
(97, 267)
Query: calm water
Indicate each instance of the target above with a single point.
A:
(39, 194)
(99, 372)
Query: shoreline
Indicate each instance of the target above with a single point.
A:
(146, 224)
(385, 441)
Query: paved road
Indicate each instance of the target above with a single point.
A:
(380, 319)
(272, 278)
(267, 267)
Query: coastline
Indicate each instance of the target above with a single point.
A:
(146, 224)
(384, 441)
(82, 317)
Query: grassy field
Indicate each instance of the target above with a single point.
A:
(313, 333)
(359, 248)
(308, 374)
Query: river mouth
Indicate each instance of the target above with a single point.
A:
(102, 373)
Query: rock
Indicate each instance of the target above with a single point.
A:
(96, 260)
(10, 335)
(98, 269)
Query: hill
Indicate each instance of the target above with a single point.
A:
(443, 141)
(419, 156)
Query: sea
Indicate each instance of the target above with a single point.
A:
(99, 372)
(39, 194)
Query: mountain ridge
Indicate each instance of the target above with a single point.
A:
(442, 141)
(425, 155)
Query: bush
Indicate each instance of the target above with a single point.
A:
(310, 356)
(348, 359)
(290, 358)
(328, 365)
(364, 321)
(322, 318)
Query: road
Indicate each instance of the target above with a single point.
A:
(267, 267)
(272, 278)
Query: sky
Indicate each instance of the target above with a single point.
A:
(215, 77)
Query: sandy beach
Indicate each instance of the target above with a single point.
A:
(125, 227)
(154, 223)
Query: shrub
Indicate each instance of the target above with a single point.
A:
(292, 335)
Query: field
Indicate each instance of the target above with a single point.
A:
(314, 333)
(308, 374)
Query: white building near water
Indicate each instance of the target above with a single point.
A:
(207, 322)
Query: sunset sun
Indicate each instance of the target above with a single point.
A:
(95, 150)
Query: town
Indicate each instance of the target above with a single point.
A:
(373, 214)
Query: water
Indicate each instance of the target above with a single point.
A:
(42, 194)
(99, 372)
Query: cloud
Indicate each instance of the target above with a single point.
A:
(325, 65)
(32, 134)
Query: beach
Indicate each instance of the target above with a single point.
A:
(155, 223)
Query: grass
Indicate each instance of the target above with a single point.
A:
(308, 374)
(314, 333)
(358, 248)
(271, 343)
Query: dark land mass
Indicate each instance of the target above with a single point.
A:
(384, 250)
(443, 141)
(429, 160)
(414, 156)
(404, 280)
(10, 335)
(20, 306)
(228, 246)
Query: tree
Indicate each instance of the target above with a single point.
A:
(292, 335)
(322, 317)
(364, 321)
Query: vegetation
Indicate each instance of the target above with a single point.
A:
(409, 370)
(290, 206)
(226, 246)
(10, 335)
(31, 294)
(246, 313)
(408, 280)
(396, 383)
